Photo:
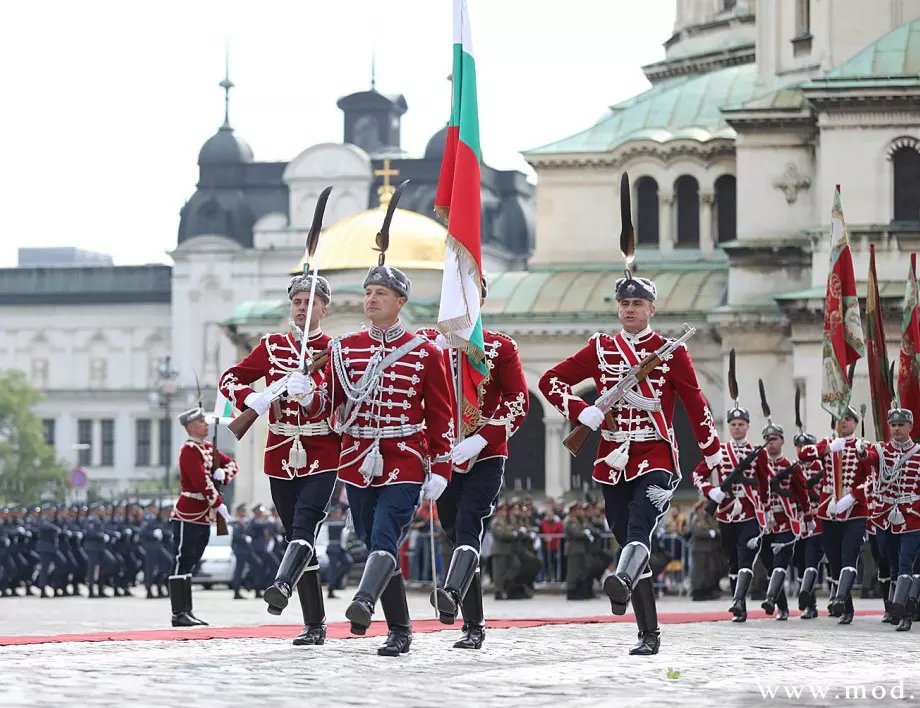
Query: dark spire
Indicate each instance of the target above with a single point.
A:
(226, 85)
(373, 69)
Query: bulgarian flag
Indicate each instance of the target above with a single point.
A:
(224, 411)
(843, 335)
(877, 354)
(458, 203)
(909, 369)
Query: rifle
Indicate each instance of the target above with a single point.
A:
(774, 483)
(737, 475)
(575, 440)
(240, 425)
(215, 461)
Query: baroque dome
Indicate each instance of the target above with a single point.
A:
(416, 242)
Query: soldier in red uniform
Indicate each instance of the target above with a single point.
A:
(811, 546)
(739, 513)
(787, 508)
(636, 465)
(391, 397)
(195, 510)
(479, 464)
(843, 509)
(301, 451)
(896, 464)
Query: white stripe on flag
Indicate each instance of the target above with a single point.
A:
(462, 34)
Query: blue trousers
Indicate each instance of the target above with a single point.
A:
(909, 552)
(469, 501)
(381, 515)
(302, 504)
(889, 546)
(630, 514)
(843, 540)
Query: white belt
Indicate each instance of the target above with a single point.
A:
(620, 436)
(383, 432)
(192, 495)
(291, 431)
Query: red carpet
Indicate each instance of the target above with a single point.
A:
(340, 630)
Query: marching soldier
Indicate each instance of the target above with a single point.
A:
(897, 467)
(301, 454)
(843, 509)
(739, 508)
(195, 510)
(579, 538)
(786, 508)
(636, 465)
(391, 396)
(479, 464)
(811, 539)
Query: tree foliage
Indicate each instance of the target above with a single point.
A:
(29, 468)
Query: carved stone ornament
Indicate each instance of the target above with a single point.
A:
(792, 182)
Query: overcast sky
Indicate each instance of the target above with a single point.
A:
(105, 104)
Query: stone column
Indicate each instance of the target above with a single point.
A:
(558, 460)
(667, 227)
(707, 235)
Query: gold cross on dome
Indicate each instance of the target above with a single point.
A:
(386, 173)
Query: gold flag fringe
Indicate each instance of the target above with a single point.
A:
(442, 213)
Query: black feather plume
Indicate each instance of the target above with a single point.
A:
(317, 226)
(892, 389)
(851, 370)
(383, 236)
(627, 232)
(764, 406)
(798, 408)
(732, 381)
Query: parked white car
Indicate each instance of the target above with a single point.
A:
(217, 563)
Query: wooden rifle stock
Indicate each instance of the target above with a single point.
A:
(222, 529)
(575, 440)
(240, 425)
(739, 471)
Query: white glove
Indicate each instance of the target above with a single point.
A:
(270, 546)
(249, 539)
(712, 533)
(810, 526)
(301, 387)
(837, 444)
(219, 475)
(589, 535)
(106, 538)
(716, 494)
(441, 342)
(467, 449)
(591, 417)
(158, 534)
(860, 447)
(222, 510)
(258, 402)
(434, 487)
(845, 503)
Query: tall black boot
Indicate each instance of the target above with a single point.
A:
(297, 557)
(310, 593)
(782, 606)
(188, 600)
(474, 621)
(643, 600)
(179, 602)
(844, 587)
(885, 591)
(739, 601)
(807, 588)
(618, 587)
(913, 597)
(777, 579)
(378, 570)
(447, 600)
(893, 618)
(832, 600)
(396, 610)
(901, 593)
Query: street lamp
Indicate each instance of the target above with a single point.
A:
(166, 390)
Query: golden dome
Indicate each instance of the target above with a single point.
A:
(416, 242)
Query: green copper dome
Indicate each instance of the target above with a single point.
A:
(683, 108)
(897, 54)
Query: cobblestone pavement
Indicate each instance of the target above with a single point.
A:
(704, 664)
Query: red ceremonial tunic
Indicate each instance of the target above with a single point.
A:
(401, 408)
(199, 497)
(784, 513)
(652, 445)
(744, 502)
(810, 470)
(504, 395)
(895, 468)
(274, 357)
(842, 475)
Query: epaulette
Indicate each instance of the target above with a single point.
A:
(598, 335)
(343, 336)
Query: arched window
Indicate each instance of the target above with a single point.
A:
(726, 208)
(525, 469)
(729, 5)
(906, 162)
(647, 214)
(688, 212)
